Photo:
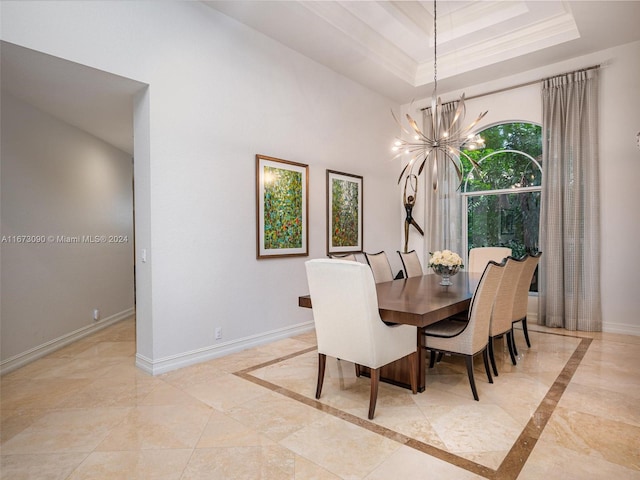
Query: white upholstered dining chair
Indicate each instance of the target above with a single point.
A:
(480, 256)
(379, 263)
(472, 337)
(348, 323)
(411, 264)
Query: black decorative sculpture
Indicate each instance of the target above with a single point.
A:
(411, 181)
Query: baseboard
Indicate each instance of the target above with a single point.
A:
(51, 346)
(166, 364)
(621, 328)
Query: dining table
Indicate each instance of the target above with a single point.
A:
(417, 301)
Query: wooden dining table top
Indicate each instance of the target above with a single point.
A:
(421, 301)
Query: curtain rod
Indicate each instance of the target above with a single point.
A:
(506, 89)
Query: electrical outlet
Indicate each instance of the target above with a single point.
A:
(218, 333)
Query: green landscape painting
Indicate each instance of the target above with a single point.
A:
(344, 213)
(283, 202)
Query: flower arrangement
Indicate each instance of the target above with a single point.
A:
(445, 258)
(445, 263)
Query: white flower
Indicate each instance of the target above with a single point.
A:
(446, 258)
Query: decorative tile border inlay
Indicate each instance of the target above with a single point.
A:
(515, 459)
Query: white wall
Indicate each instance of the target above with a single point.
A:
(619, 161)
(60, 184)
(219, 93)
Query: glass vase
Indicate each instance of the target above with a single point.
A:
(446, 273)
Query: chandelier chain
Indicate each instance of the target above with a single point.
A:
(435, 49)
(440, 137)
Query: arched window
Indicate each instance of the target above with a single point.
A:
(502, 197)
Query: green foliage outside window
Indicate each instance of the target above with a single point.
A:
(501, 218)
(509, 169)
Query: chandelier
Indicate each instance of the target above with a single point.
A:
(447, 139)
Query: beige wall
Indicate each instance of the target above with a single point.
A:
(65, 189)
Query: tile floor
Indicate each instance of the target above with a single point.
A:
(570, 409)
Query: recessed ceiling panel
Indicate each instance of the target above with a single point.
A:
(389, 45)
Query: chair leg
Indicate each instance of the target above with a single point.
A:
(492, 357)
(513, 341)
(357, 370)
(526, 331)
(485, 357)
(413, 371)
(469, 360)
(432, 359)
(509, 340)
(322, 362)
(375, 380)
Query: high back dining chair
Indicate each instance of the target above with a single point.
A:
(411, 264)
(480, 256)
(380, 266)
(501, 317)
(345, 256)
(472, 337)
(521, 300)
(348, 323)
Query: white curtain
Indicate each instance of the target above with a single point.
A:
(570, 216)
(443, 207)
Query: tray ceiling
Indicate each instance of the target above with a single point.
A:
(388, 45)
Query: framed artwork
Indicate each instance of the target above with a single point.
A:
(344, 212)
(282, 208)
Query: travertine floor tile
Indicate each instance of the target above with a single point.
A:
(409, 421)
(226, 392)
(471, 430)
(608, 378)
(72, 431)
(411, 464)
(549, 461)
(13, 422)
(110, 391)
(307, 470)
(223, 431)
(593, 436)
(165, 464)
(274, 415)
(87, 412)
(158, 426)
(163, 393)
(282, 348)
(342, 448)
(193, 375)
(109, 349)
(622, 407)
(269, 462)
(50, 466)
